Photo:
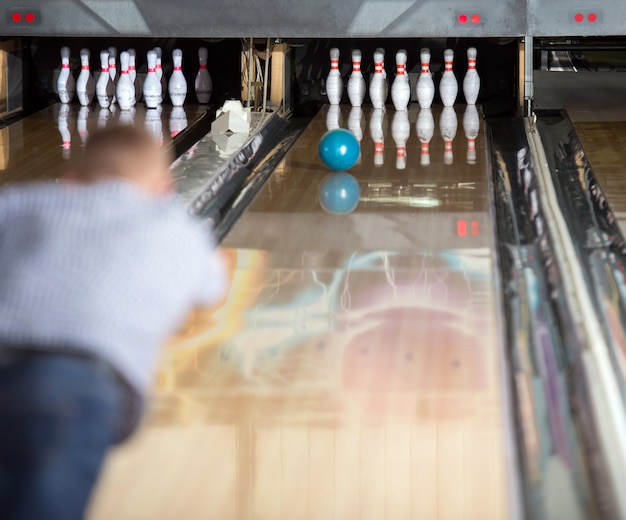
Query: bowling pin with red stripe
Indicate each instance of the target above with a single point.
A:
(356, 83)
(152, 85)
(334, 83)
(378, 84)
(66, 86)
(425, 88)
(449, 86)
(85, 85)
(471, 81)
(178, 84)
(105, 90)
(400, 89)
(125, 90)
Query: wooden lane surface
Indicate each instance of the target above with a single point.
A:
(31, 149)
(352, 372)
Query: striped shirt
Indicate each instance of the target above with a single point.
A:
(101, 268)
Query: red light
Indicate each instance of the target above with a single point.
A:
(30, 17)
(16, 17)
(475, 228)
(592, 17)
(461, 228)
(475, 18)
(579, 17)
(462, 18)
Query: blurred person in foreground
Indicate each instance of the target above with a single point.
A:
(95, 273)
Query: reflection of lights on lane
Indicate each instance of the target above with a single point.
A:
(414, 202)
(271, 331)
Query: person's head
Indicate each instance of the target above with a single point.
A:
(124, 153)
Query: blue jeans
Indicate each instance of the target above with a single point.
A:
(59, 414)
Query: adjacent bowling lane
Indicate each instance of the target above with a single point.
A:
(40, 146)
(354, 369)
(605, 145)
(593, 101)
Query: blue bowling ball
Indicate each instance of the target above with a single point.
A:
(339, 149)
(339, 193)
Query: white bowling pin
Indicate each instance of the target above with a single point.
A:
(425, 130)
(386, 83)
(113, 63)
(378, 135)
(377, 83)
(64, 130)
(152, 86)
(154, 124)
(332, 117)
(125, 90)
(178, 84)
(400, 89)
(204, 83)
(85, 85)
(425, 88)
(104, 88)
(132, 74)
(471, 127)
(81, 124)
(448, 124)
(66, 85)
(178, 120)
(448, 87)
(406, 74)
(334, 83)
(401, 131)
(113, 69)
(471, 81)
(159, 72)
(356, 83)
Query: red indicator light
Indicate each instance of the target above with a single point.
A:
(29, 17)
(592, 17)
(463, 19)
(475, 228)
(475, 18)
(461, 228)
(16, 17)
(579, 17)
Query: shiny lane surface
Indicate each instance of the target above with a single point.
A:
(353, 370)
(40, 146)
(197, 167)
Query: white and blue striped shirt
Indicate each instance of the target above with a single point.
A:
(102, 268)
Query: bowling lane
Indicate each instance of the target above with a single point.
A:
(605, 145)
(40, 146)
(594, 102)
(354, 369)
